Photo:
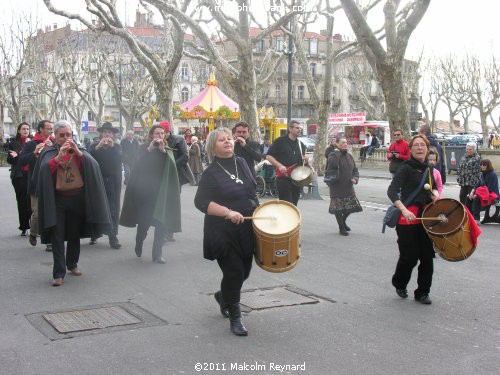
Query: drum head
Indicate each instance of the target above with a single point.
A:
(301, 173)
(452, 209)
(278, 217)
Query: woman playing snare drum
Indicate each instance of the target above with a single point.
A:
(414, 243)
(226, 193)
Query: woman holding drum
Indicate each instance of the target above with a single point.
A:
(413, 242)
(343, 201)
(226, 193)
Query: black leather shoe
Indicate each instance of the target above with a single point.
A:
(160, 260)
(138, 249)
(343, 232)
(222, 305)
(347, 228)
(423, 299)
(403, 293)
(23, 233)
(237, 326)
(114, 243)
(32, 240)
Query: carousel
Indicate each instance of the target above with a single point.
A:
(210, 105)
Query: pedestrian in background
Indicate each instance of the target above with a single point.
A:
(225, 195)
(468, 173)
(398, 152)
(343, 201)
(72, 201)
(195, 162)
(482, 198)
(245, 147)
(129, 146)
(413, 242)
(433, 160)
(19, 176)
(29, 155)
(178, 145)
(108, 154)
(286, 153)
(152, 197)
(425, 130)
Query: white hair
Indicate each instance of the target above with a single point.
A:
(471, 144)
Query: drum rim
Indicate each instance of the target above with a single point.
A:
(275, 201)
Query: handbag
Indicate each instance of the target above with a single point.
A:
(393, 213)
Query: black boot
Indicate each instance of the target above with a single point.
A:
(340, 222)
(237, 326)
(139, 240)
(344, 218)
(222, 305)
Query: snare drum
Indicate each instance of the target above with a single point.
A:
(277, 230)
(302, 176)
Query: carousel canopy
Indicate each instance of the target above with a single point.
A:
(211, 103)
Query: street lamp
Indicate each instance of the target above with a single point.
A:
(29, 84)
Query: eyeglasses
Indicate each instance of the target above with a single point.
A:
(484, 165)
(297, 127)
(62, 135)
(419, 145)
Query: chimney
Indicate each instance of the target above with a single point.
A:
(322, 32)
(55, 26)
(337, 37)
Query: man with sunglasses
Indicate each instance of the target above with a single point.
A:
(399, 151)
(72, 201)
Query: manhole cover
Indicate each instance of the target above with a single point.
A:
(90, 320)
(275, 297)
(84, 320)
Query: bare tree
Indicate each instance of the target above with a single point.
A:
(16, 63)
(431, 92)
(388, 63)
(161, 63)
(482, 83)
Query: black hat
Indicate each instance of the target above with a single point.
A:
(107, 126)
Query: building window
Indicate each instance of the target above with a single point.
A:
(184, 72)
(115, 115)
(354, 89)
(313, 46)
(278, 92)
(300, 92)
(184, 94)
(413, 106)
(312, 66)
(261, 45)
(279, 45)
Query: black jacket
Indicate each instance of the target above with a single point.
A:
(251, 153)
(179, 145)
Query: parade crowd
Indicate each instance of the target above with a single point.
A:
(66, 192)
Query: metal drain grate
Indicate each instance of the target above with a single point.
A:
(88, 320)
(275, 297)
(83, 320)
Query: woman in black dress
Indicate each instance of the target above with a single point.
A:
(226, 194)
(19, 176)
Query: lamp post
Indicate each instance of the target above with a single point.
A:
(120, 93)
(289, 53)
(29, 84)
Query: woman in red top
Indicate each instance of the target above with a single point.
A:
(19, 176)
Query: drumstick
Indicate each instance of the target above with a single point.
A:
(438, 218)
(260, 217)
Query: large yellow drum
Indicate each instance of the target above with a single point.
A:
(277, 230)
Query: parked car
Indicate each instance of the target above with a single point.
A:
(308, 142)
(463, 139)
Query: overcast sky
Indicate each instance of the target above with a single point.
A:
(453, 27)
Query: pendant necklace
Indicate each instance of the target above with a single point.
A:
(232, 176)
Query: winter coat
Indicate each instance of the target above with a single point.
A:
(469, 170)
(344, 162)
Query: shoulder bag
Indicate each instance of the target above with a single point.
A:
(393, 213)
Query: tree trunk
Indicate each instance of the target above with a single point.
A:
(391, 81)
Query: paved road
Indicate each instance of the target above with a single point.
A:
(359, 325)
